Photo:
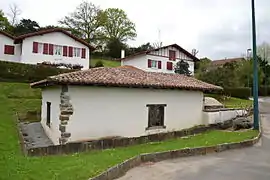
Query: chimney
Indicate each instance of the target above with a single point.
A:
(122, 53)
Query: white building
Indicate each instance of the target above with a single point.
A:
(162, 59)
(51, 45)
(119, 102)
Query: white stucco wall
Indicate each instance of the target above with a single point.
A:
(102, 112)
(221, 116)
(105, 112)
(162, 55)
(51, 95)
(56, 38)
(4, 40)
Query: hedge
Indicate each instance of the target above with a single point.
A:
(19, 72)
(264, 91)
(239, 92)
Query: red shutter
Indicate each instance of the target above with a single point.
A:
(159, 64)
(9, 50)
(70, 51)
(50, 49)
(65, 51)
(35, 47)
(45, 48)
(172, 55)
(83, 53)
(169, 65)
(149, 63)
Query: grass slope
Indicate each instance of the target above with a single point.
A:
(80, 166)
(106, 63)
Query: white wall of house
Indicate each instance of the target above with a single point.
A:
(56, 38)
(105, 112)
(4, 40)
(52, 95)
(162, 55)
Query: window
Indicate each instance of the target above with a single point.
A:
(48, 120)
(9, 50)
(37, 47)
(172, 55)
(154, 64)
(156, 115)
(77, 52)
(40, 48)
(169, 66)
(57, 50)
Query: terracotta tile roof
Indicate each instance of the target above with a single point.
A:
(173, 45)
(224, 61)
(6, 34)
(46, 31)
(130, 67)
(126, 77)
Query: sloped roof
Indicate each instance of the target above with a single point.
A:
(46, 31)
(130, 67)
(6, 34)
(172, 45)
(126, 77)
(224, 61)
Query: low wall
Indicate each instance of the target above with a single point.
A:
(213, 116)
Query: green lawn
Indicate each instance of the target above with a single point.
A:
(232, 102)
(106, 63)
(79, 166)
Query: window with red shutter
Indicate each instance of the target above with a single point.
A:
(45, 48)
(9, 50)
(159, 64)
(169, 65)
(149, 63)
(70, 51)
(35, 47)
(50, 49)
(83, 53)
(172, 55)
(64, 50)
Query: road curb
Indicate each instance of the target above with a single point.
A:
(120, 169)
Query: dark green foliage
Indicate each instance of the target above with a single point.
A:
(264, 91)
(18, 72)
(99, 64)
(25, 26)
(182, 67)
(240, 92)
(114, 47)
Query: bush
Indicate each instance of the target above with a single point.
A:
(264, 91)
(99, 64)
(240, 92)
(19, 72)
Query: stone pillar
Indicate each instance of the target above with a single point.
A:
(66, 110)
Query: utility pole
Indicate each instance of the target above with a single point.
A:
(255, 70)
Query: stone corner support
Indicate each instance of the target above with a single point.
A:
(66, 110)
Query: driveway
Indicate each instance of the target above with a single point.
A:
(244, 164)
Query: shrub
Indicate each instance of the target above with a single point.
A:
(264, 91)
(99, 64)
(239, 92)
(19, 72)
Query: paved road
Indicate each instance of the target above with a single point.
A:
(245, 164)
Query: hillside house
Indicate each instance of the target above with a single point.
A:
(161, 59)
(51, 45)
(119, 102)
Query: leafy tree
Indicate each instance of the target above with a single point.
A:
(116, 25)
(202, 65)
(114, 47)
(26, 26)
(4, 24)
(85, 21)
(264, 51)
(182, 67)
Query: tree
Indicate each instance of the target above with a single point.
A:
(85, 22)
(114, 47)
(116, 25)
(264, 51)
(14, 14)
(182, 67)
(4, 24)
(26, 26)
(202, 65)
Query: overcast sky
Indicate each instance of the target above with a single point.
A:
(217, 28)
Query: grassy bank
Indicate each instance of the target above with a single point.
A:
(106, 63)
(80, 166)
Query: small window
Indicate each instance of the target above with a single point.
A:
(152, 63)
(156, 115)
(57, 50)
(40, 48)
(172, 55)
(48, 120)
(8, 49)
(77, 52)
